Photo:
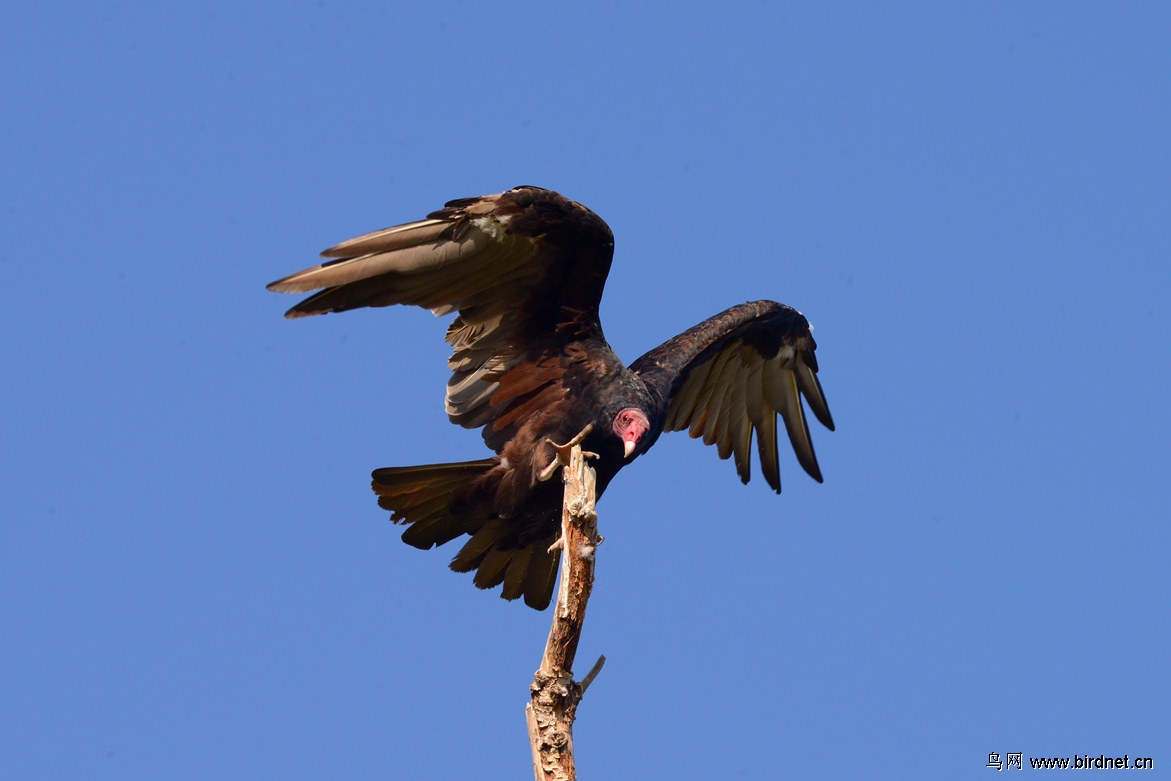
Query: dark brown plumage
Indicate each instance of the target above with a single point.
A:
(524, 271)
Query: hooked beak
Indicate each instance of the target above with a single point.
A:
(631, 425)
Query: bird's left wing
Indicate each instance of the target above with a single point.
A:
(730, 376)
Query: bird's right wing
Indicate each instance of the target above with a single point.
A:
(525, 271)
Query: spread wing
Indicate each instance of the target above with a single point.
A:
(525, 271)
(729, 377)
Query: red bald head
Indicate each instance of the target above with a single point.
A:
(630, 425)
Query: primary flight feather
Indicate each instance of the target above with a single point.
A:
(524, 271)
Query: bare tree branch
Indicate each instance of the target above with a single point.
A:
(555, 695)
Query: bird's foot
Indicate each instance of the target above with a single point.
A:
(561, 453)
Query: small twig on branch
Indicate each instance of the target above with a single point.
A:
(555, 695)
(593, 673)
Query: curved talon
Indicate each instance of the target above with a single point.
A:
(548, 471)
(561, 457)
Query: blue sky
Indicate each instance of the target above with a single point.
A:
(970, 201)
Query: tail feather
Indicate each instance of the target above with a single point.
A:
(542, 576)
(421, 495)
(439, 503)
(433, 531)
(491, 570)
(436, 525)
(485, 538)
(518, 570)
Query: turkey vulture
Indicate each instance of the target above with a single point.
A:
(524, 272)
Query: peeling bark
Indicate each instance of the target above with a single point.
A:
(555, 695)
